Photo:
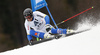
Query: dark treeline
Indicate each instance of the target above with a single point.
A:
(12, 31)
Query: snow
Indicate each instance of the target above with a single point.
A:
(86, 43)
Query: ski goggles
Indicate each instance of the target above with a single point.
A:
(28, 17)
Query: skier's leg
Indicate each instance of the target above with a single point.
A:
(30, 39)
(47, 19)
(58, 31)
(61, 31)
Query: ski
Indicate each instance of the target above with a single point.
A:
(44, 40)
(77, 32)
(58, 37)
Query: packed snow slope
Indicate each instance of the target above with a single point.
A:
(86, 43)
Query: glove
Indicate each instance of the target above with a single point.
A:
(47, 35)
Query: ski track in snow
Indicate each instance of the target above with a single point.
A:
(86, 43)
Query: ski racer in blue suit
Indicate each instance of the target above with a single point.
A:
(37, 24)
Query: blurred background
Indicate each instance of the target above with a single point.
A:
(13, 33)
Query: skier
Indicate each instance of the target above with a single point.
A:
(37, 24)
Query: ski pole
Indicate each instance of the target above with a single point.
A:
(75, 15)
(51, 17)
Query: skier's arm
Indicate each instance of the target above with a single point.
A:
(29, 37)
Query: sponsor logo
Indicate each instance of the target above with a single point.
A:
(40, 5)
(59, 31)
(36, 34)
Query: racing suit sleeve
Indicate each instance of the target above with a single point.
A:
(29, 37)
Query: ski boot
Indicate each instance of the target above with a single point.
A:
(69, 31)
(48, 35)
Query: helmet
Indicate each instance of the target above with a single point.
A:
(28, 13)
